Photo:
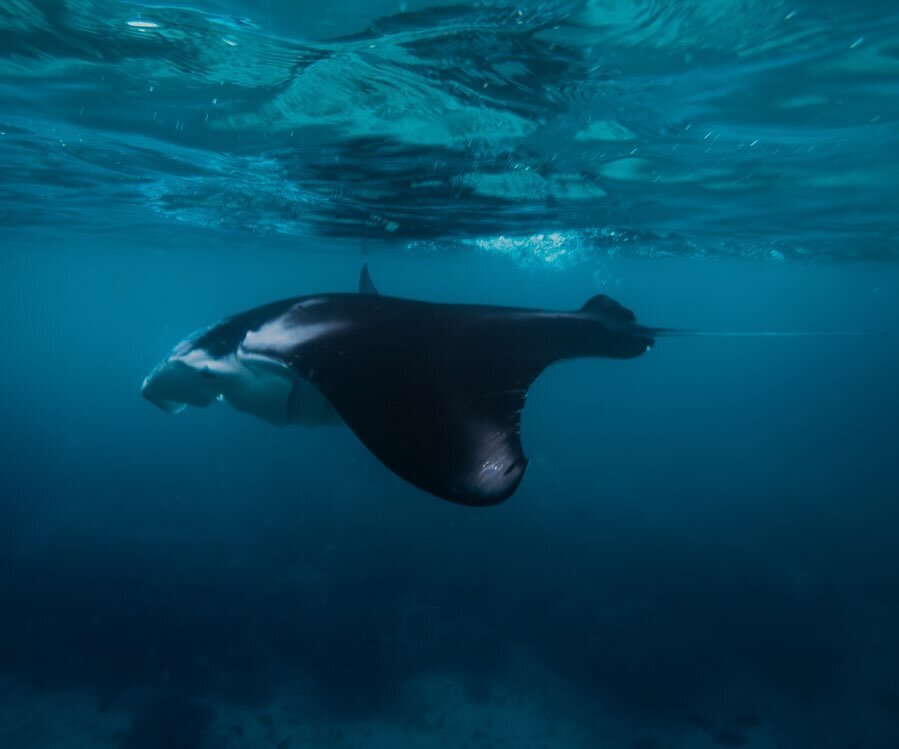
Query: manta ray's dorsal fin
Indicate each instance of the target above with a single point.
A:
(366, 285)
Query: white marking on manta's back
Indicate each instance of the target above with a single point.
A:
(284, 333)
(262, 352)
(199, 358)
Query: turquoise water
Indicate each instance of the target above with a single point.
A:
(704, 549)
(733, 127)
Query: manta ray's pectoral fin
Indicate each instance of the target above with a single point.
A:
(366, 285)
(449, 428)
(438, 402)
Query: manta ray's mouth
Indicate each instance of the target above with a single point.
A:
(174, 385)
(169, 406)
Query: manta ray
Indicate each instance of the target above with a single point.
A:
(435, 391)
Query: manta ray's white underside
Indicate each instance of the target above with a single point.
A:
(254, 384)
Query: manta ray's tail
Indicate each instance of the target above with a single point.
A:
(618, 318)
(676, 332)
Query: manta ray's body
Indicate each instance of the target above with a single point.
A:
(435, 391)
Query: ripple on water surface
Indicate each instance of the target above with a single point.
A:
(551, 131)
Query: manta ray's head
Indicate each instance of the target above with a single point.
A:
(216, 365)
(189, 376)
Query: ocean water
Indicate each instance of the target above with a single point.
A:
(704, 551)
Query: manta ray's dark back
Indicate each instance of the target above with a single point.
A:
(435, 391)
